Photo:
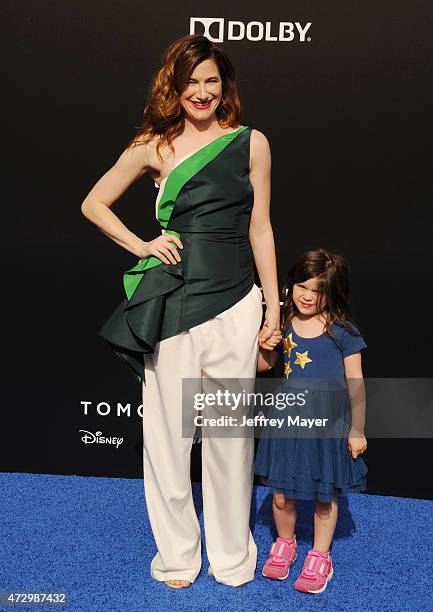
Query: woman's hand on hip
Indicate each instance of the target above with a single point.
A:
(163, 247)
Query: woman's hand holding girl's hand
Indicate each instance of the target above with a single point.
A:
(163, 248)
(357, 443)
(270, 334)
(267, 354)
(274, 340)
(271, 342)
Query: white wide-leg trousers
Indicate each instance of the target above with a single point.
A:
(226, 346)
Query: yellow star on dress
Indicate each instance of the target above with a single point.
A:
(302, 359)
(287, 369)
(289, 344)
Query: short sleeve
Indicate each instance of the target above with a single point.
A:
(349, 343)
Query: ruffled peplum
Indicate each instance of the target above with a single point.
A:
(312, 464)
(136, 325)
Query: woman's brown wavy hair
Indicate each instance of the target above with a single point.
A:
(332, 272)
(163, 113)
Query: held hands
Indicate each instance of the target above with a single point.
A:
(272, 342)
(270, 334)
(357, 443)
(163, 248)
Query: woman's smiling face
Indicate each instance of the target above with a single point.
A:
(203, 92)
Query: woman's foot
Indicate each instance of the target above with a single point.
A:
(177, 584)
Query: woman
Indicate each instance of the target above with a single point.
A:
(192, 304)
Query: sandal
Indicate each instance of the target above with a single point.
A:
(177, 586)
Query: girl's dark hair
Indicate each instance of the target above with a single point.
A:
(332, 272)
(163, 113)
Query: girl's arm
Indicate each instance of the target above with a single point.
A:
(355, 382)
(267, 359)
(131, 165)
(261, 234)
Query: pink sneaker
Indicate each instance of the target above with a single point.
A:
(281, 556)
(316, 572)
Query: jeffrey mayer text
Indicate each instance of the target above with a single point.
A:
(260, 420)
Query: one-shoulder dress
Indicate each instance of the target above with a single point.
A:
(207, 201)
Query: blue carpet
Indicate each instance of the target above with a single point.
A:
(91, 538)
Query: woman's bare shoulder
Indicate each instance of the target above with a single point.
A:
(143, 153)
(260, 151)
(259, 140)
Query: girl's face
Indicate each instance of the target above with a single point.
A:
(307, 297)
(203, 92)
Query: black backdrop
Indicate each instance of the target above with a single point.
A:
(347, 115)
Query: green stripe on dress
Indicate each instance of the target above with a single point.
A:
(176, 180)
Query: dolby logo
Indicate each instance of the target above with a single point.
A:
(218, 30)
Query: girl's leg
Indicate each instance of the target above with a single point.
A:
(325, 520)
(317, 570)
(284, 550)
(284, 511)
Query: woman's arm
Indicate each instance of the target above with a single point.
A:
(96, 207)
(355, 383)
(261, 234)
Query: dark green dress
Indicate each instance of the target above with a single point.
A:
(207, 200)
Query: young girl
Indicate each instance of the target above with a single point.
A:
(319, 342)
